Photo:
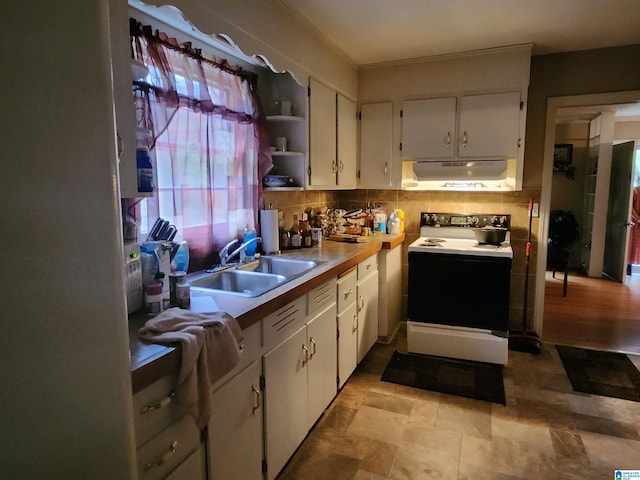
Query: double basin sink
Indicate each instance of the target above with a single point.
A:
(254, 278)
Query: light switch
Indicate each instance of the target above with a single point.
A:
(535, 212)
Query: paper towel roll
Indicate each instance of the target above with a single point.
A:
(269, 231)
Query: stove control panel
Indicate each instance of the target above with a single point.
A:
(464, 220)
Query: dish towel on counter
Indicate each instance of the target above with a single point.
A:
(210, 345)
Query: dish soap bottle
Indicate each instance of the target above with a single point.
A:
(180, 261)
(145, 170)
(250, 251)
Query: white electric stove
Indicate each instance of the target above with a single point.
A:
(458, 304)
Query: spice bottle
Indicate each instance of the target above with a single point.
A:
(295, 234)
(305, 231)
(153, 298)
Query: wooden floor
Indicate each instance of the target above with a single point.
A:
(596, 313)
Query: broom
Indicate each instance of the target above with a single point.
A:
(524, 341)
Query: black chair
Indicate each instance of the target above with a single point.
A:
(563, 232)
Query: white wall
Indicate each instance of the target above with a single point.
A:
(66, 400)
(268, 28)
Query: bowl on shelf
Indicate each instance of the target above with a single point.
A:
(277, 181)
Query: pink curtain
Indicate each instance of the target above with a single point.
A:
(208, 144)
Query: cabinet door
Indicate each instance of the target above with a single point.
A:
(428, 128)
(347, 343)
(235, 427)
(367, 313)
(376, 152)
(322, 135)
(347, 147)
(322, 365)
(489, 125)
(123, 99)
(285, 398)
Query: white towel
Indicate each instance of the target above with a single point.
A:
(210, 349)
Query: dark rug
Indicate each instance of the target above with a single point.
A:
(602, 373)
(481, 381)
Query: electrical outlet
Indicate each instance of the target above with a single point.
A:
(535, 213)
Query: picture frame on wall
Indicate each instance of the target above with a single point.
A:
(562, 156)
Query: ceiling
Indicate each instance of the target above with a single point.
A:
(381, 31)
(373, 32)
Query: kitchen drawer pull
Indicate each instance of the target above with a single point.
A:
(347, 293)
(341, 166)
(355, 323)
(448, 139)
(164, 458)
(314, 350)
(257, 397)
(465, 139)
(360, 303)
(306, 354)
(157, 406)
(386, 168)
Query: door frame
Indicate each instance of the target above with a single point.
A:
(553, 103)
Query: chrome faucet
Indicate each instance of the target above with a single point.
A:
(241, 249)
(224, 253)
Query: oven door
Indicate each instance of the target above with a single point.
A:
(459, 290)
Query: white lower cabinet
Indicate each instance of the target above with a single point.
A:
(367, 305)
(390, 292)
(166, 453)
(300, 379)
(347, 326)
(168, 441)
(235, 428)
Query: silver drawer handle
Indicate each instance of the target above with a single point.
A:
(347, 293)
(157, 406)
(257, 397)
(306, 354)
(164, 458)
(355, 323)
(314, 349)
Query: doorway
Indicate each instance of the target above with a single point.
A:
(554, 104)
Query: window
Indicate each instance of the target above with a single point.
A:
(208, 144)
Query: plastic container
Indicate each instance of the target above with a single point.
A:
(180, 261)
(400, 213)
(379, 221)
(393, 224)
(250, 251)
(153, 298)
(145, 170)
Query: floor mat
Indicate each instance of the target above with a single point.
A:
(481, 381)
(602, 373)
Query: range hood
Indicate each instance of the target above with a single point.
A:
(485, 175)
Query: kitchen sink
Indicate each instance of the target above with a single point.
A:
(287, 267)
(239, 282)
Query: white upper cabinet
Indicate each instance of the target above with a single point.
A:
(347, 145)
(322, 135)
(376, 147)
(428, 128)
(489, 125)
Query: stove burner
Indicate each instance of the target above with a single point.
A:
(434, 240)
(430, 244)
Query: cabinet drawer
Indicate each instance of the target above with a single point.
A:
(367, 266)
(347, 290)
(321, 297)
(155, 407)
(164, 452)
(280, 324)
(250, 351)
(190, 469)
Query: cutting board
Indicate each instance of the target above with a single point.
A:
(343, 237)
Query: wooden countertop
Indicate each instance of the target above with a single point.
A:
(150, 362)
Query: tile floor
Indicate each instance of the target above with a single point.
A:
(377, 430)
